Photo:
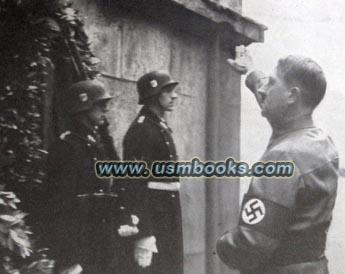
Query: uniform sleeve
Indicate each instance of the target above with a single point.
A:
(63, 171)
(135, 147)
(253, 80)
(131, 146)
(108, 142)
(265, 215)
(62, 177)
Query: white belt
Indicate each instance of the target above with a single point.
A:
(174, 186)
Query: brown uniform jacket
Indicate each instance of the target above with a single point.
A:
(284, 221)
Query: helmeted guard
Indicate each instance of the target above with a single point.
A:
(149, 139)
(85, 214)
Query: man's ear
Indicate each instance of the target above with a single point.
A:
(294, 95)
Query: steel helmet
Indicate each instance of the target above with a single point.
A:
(152, 83)
(82, 95)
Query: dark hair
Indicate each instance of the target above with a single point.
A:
(151, 100)
(307, 75)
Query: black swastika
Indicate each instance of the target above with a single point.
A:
(253, 210)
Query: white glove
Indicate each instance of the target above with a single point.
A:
(75, 269)
(143, 257)
(129, 230)
(143, 251)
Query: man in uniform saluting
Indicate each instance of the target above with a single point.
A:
(150, 139)
(284, 221)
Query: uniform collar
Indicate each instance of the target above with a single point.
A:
(301, 123)
(148, 113)
(84, 131)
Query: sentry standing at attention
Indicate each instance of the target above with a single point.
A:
(149, 139)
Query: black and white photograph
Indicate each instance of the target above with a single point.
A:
(172, 137)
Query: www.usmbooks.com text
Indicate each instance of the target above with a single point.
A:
(192, 169)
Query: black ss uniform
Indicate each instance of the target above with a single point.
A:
(83, 215)
(149, 139)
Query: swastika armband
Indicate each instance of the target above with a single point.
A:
(264, 216)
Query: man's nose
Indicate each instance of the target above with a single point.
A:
(174, 95)
(106, 108)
